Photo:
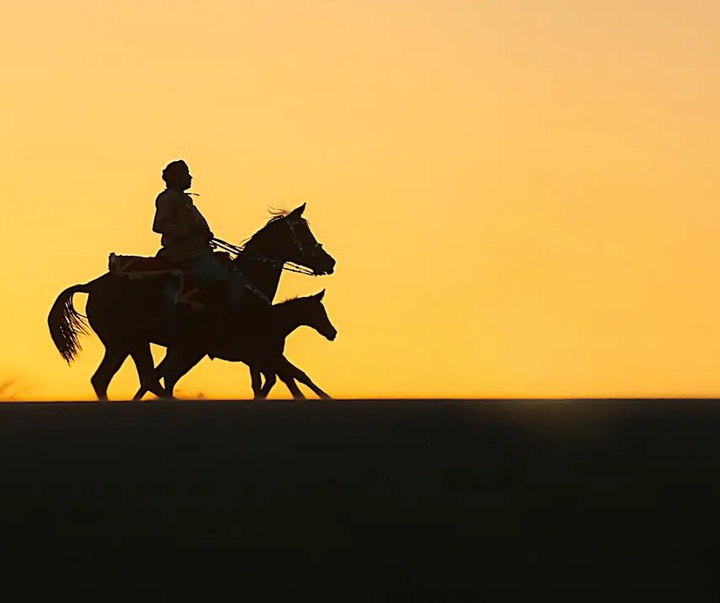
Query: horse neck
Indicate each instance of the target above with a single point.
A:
(263, 275)
(287, 317)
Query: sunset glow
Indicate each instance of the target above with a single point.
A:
(522, 198)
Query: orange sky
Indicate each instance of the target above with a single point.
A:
(522, 197)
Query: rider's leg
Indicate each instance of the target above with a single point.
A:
(226, 286)
(170, 290)
(207, 267)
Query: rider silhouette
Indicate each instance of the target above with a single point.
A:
(186, 238)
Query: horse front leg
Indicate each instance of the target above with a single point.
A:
(178, 363)
(142, 356)
(159, 370)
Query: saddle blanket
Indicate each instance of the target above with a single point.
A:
(136, 267)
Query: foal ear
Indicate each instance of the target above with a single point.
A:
(297, 212)
(320, 295)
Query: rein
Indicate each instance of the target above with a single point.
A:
(216, 243)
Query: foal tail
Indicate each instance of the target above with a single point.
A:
(66, 323)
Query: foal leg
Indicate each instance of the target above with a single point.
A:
(302, 377)
(284, 370)
(110, 364)
(146, 371)
(255, 381)
(270, 379)
(292, 386)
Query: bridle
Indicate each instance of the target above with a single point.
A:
(221, 245)
(298, 243)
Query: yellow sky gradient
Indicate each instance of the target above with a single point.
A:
(522, 197)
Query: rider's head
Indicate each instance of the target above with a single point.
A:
(177, 175)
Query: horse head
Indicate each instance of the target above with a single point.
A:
(287, 238)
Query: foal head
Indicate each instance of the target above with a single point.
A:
(312, 313)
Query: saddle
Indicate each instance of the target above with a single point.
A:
(134, 267)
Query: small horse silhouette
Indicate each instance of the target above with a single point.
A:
(127, 314)
(258, 340)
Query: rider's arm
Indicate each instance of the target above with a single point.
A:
(166, 217)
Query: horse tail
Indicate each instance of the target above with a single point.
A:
(66, 323)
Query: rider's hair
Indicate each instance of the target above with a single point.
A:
(173, 168)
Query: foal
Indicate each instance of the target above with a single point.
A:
(258, 340)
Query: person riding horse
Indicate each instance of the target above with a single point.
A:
(186, 238)
(126, 313)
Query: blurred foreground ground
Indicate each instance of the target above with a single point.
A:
(382, 500)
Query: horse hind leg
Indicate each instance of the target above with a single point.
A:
(175, 364)
(159, 370)
(149, 381)
(110, 364)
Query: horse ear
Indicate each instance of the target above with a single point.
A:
(297, 212)
(320, 295)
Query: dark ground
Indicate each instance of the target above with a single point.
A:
(586, 500)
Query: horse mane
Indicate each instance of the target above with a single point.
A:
(276, 214)
(295, 298)
(287, 300)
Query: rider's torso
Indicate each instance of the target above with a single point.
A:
(190, 231)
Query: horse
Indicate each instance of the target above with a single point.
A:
(127, 315)
(257, 338)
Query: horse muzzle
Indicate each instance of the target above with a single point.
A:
(329, 268)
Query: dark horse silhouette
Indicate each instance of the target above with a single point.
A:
(257, 338)
(127, 314)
